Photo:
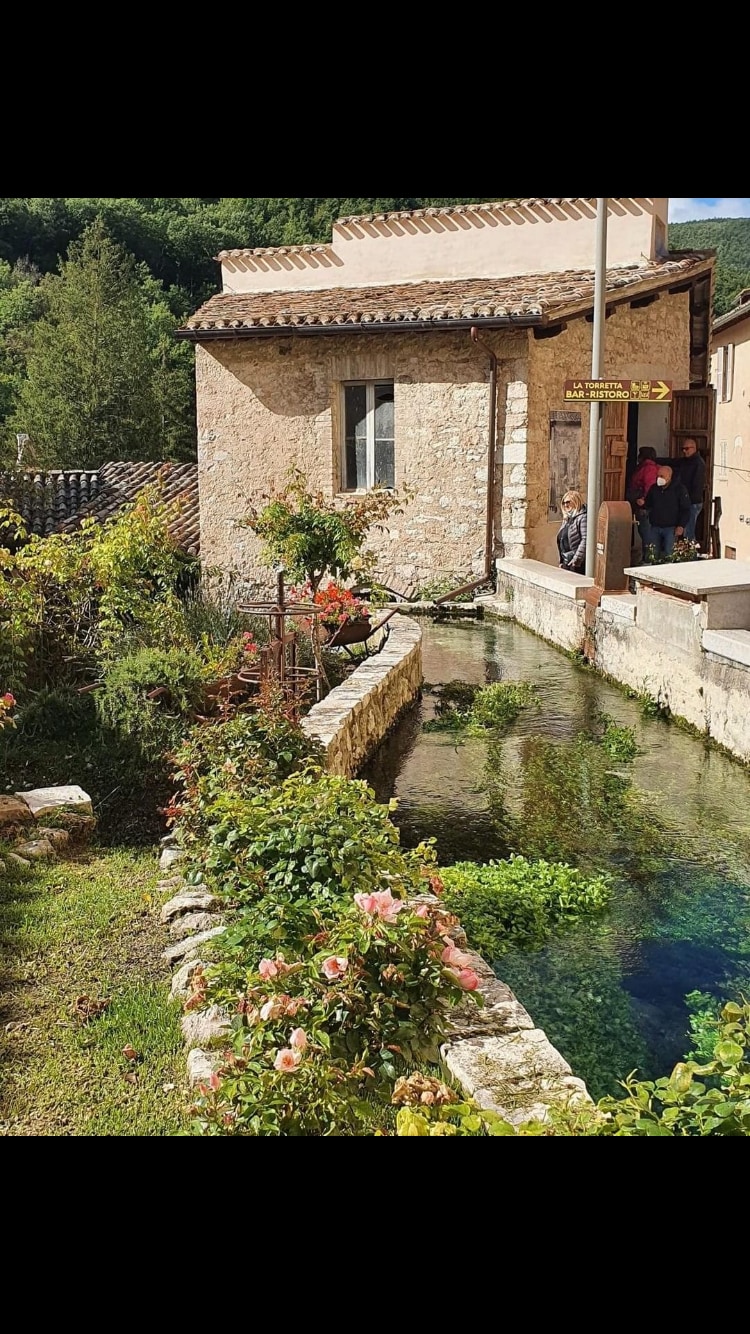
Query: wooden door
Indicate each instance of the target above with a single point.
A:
(614, 450)
(693, 413)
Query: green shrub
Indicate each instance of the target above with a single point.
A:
(54, 714)
(315, 836)
(71, 603)
(151, 695)
(517, 903)
(250, 750)
(696, 1099)
(313, 536)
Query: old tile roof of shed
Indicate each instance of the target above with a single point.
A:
(524, 300)
(740, 311)
(55, 501)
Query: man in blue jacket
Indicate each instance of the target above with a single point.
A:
(668, 506)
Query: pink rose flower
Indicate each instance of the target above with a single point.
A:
(467, 978)
(422, 911)
(271, 1010)
(287, 1060)
(334, 967)
(380, 904)
(455, 958)
(298, 1039)
(366, 903)
(267, 969)
(9, 699)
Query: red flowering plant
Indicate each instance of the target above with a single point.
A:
(337, 604)
(7, 705)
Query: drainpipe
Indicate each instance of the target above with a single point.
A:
(489, 531)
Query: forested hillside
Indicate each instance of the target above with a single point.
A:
(730, 238)
(91, 291)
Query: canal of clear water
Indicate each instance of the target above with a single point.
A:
(615, 992)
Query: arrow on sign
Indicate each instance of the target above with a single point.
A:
(660, 390)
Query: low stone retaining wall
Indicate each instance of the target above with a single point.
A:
(351, 722)
(493, 1051)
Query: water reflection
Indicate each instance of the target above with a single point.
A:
(673, 826)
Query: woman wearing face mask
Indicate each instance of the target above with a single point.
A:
(571, 539)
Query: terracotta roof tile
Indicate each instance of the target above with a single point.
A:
(499, 206)
(529, 299)
(740, 311)
(57, 500)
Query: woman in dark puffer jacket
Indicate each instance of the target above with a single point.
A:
(571, 539)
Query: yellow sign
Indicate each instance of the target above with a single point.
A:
(617, 391)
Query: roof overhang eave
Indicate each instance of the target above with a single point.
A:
(369, 326)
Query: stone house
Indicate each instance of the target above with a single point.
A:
(429, 349)
(730, 374)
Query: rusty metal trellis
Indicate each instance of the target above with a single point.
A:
(277, 660)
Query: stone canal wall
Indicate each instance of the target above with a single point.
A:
(353, 719)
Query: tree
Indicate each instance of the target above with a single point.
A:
(20, 305)
(89, 394)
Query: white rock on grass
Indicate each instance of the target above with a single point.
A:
(170, 857)
(189, 900)
(188, 948)
(15, 860)
(181, 988)
(204, 1028)
(201, 1065)
(40, 850)
(177, 882)
(47, 800)
(192, 922)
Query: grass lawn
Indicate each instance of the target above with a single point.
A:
(71, 934)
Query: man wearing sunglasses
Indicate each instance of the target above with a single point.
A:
(692, 473)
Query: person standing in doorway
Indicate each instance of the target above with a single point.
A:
(641, 482)
(668, 507)
(571, 539)
(693, 477)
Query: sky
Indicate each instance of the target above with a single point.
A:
(689, 210)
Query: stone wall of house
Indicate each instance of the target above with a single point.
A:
(648, 343)
(353, 719)
(266, 404)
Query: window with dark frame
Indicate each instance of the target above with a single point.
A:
(369, 435)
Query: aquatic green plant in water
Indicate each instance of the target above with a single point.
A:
(619, 742)
(476, 709)
(518, 902)
(575, 992)
(563, 801)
